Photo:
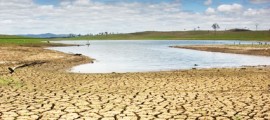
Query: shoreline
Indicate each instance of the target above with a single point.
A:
(258, 50)
(53, 60)
(46, 91)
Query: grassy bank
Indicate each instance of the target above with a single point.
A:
(149, 35)
(18, 40)
(183, 35)
(11, 40)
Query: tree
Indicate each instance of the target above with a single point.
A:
(256, 26)
(215, 26)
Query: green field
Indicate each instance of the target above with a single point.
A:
(18, 40)
(150, 35)
(183, 35)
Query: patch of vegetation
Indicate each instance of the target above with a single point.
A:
(237, 118)
(234, 34)
(181, 35)
(18, 40)
(10, 82)
(239, 30)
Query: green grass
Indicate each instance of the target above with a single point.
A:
(182, 35)
(149, 35)
(18, 40)
(10, 82)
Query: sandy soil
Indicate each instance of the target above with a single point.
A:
(46, 91)
(260, 50)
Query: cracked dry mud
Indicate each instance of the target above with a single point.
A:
(207, 94)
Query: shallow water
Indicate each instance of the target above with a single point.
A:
(144, 55)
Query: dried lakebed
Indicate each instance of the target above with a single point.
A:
(46, 91)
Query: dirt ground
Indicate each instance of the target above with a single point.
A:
(46, 91)
(260, 50)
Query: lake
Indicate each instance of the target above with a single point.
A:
(154, 55)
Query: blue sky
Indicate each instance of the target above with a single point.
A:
(94, 16)
(47, 2)
(187, 5)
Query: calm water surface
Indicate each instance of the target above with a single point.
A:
(143, 56)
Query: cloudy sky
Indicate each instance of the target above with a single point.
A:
(94, 16)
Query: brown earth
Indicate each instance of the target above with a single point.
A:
(46, 91)
(260, 50)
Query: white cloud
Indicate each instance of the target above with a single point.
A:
(259, 1)
(255, 12)
(210, 11)
(233, 8)
(208, 2)
(86, 16)
(81, 2)
(6, 21)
